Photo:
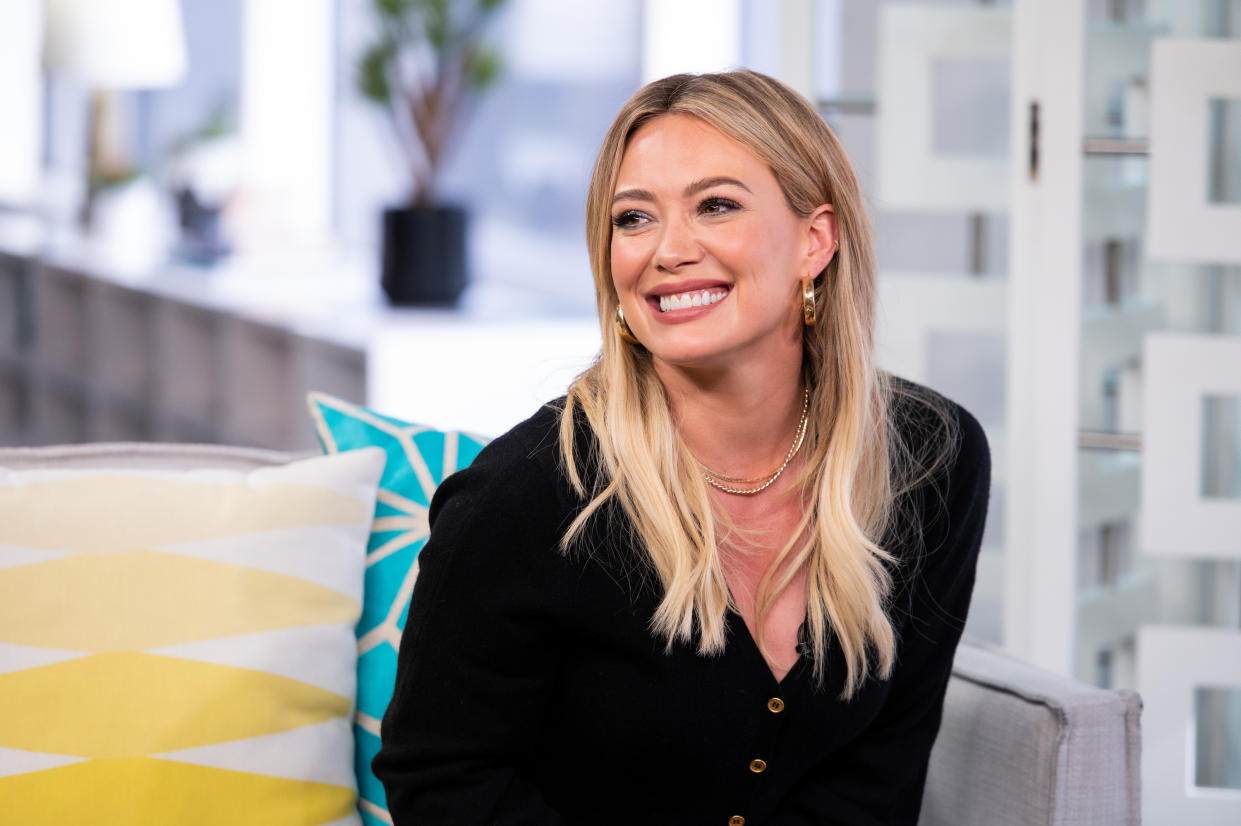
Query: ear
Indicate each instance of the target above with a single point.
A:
(821, 240)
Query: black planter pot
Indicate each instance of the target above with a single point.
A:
(424, 255)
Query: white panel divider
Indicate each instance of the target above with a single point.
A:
(912, 306)
(910, 174)
(1181, 224)
(1045, 264)
(1172, 662)
(1176, 519)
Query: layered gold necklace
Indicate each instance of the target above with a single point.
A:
(725, 483)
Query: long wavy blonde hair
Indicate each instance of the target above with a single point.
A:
(856, 467)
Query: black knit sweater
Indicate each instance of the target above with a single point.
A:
(531, 691)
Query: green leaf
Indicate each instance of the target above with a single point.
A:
(437, 23)
(394, 10)
(489, 5)
(218, 124)
(373, 72)
(112, 178)
(483, 68)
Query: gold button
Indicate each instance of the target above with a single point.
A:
(775, 705)
(736, 820)
(758, 766)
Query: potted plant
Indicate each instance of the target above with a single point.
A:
(426, 64)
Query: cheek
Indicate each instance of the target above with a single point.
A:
(627, 262)
(763, 252)
(782, 249)
(759, 239)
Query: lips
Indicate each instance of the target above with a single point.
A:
(687, 294)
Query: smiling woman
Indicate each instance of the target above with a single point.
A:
(723, 580)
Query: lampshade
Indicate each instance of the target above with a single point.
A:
(116, 44)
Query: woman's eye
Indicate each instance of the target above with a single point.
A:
(628, 219)
(718, 206)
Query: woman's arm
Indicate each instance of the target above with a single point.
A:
(479, 650)
(879, 778)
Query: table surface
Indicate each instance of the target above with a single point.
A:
(483, 366)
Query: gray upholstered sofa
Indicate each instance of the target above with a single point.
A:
(1020, 746)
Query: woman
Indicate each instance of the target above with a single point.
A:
(723, 581)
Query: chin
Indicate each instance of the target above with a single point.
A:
(727, 352)
(696, 354)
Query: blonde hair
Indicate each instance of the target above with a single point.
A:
(856, 468)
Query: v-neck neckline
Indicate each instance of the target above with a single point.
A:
(734, 620)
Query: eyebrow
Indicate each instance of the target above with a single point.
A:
(707, 183)
(693, 189)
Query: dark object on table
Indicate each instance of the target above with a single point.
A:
(424, 255)
(201, 241)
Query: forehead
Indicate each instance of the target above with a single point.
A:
(683, 146)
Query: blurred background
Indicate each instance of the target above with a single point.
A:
(210, 207)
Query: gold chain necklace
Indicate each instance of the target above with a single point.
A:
(716, 480)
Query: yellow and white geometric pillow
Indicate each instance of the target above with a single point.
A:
(178, 647)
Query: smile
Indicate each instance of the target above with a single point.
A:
(695, 298)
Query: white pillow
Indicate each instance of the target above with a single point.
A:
(178, 646)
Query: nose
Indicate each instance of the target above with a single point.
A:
(678, 245)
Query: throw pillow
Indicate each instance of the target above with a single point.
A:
(177, 646)
(419, 458)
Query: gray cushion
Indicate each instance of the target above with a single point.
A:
(1019, 745)
(143, 456)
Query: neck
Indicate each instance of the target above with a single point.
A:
(740, 423)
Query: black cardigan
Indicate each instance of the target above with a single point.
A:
(530, 690)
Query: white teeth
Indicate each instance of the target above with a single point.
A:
(682, 301)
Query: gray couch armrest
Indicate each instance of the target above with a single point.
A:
(1020, 745)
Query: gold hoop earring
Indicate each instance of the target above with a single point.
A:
(807, 302)
(622, 327)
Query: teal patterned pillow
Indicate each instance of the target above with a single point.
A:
(419, 458)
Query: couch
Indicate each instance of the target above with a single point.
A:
(1020, 746)
(1017, 746)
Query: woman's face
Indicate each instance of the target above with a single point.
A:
(707, 255)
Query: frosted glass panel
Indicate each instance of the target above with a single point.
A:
(1221, 447)
(1217, 716)
(1224, 152)
(969, 368)
(969, 105)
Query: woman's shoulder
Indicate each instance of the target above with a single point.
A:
(939, 434)
(531, 444)
(518, 471)
(947, 475)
